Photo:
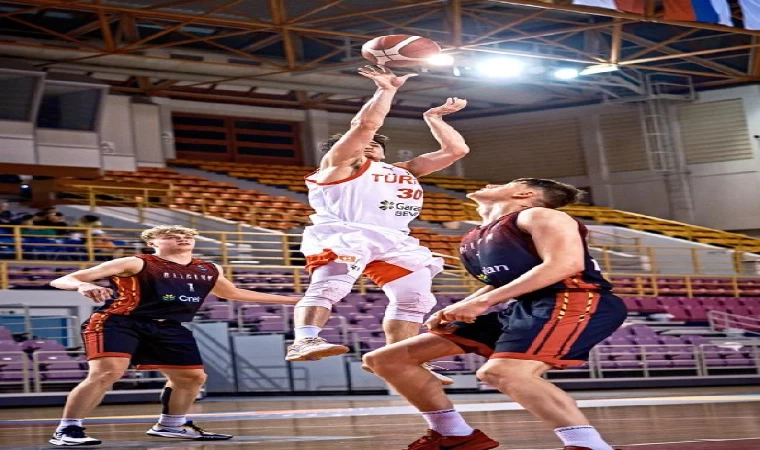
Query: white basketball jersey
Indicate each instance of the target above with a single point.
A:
(379, 194)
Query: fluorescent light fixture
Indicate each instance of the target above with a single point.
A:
(501, 67)
(566, 73)
(441, 59)
(599, 68)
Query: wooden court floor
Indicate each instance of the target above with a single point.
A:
(673, 419)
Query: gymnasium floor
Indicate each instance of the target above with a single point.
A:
(673, 419)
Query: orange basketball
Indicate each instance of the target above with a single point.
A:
(399, 50)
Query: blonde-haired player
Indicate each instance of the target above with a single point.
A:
(140, 322)
(361, 225)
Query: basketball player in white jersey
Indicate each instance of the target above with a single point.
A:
(363, 209)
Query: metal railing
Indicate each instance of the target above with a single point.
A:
(239, 205)
(30, 243)
(723, 322)
(46, 369)
(20, 320)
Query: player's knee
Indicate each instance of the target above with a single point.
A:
(325, 293)
(195, 378)
(492, 375)
(411, 306)
(382, 358)
(105, 376)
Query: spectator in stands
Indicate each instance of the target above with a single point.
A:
(50, 217)
(88, 221)
(6, 216)
(28, 220)
(105, 247)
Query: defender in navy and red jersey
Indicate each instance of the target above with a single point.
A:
(534, 258)
(141, 322)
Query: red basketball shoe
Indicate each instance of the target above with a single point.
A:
(435, 441)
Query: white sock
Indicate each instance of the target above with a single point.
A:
(582, 436)
(447, 422)
(307, 331)
(169, 420)
(66, 422)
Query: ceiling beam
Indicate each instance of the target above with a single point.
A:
(658, 45)
(507, 26)
(105, 29)
(89, 27)
(676, 53)
(617, 43)
(279, 16)
(686, 55)
(455, 20)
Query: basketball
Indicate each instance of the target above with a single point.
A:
(399, 50)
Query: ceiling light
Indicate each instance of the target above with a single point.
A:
(441, 59)
(501, 67)
(599, 68)
(566, 74)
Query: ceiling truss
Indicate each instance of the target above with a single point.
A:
(280, 52)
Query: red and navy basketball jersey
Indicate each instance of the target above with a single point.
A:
(162, 289)
(500, 252)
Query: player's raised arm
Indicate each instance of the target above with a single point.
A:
(453, 146)
(368, 120)
(80, 280)
(224, 288)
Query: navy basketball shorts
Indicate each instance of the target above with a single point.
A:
(558, 330)
(150, 344)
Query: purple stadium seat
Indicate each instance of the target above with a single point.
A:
(336, 320)
(344, 309)
(650, 304)
(61, 367)
(12, 367)
(221, 314)
(11, 346)
(365, 321)
(5, 334)
(631, 303)
(678, 312)
(44, 345)
(272, 323)
(697, 314)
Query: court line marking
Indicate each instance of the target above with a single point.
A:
(696, 441)
(398, 410)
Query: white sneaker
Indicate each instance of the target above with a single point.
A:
(313, 349)
(72, 435)
(446, 381)
(187, 431)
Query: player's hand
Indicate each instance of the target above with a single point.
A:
(463, 311)
(436, 324)
(97, 294)
(383, 77)
(452, 105)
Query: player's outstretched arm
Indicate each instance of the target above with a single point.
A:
(453, 146)
(80, 280)
(368, 120)
(224, 288)
(558, 243)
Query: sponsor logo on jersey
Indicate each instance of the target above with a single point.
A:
(347, 259)
(494, 269)
(168, 298)
(484, 278)
(186, 298)
(188, 276)
(400, 208)
(386, 205)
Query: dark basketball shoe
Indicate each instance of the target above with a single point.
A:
(72, 435)
(435, 441)
(187, 431)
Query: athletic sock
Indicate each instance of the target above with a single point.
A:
(447, 422)
(307, 331)
(169, 420)
(68, 422)
(582, 436)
